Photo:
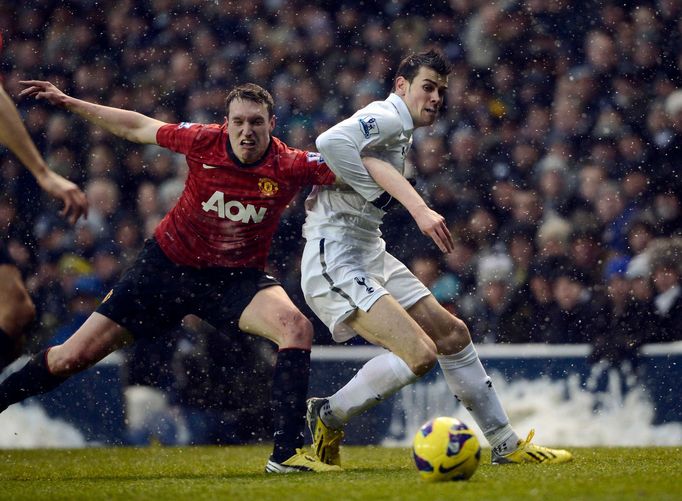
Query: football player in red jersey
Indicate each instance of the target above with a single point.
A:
(207, 256)
(16, 308)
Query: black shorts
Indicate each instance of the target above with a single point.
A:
(155, 294)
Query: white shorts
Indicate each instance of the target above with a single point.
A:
(338, 278)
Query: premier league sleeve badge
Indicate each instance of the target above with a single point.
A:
(369, 126)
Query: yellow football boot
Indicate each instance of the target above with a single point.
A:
(300, 462)
(530, 453)
(326, 441)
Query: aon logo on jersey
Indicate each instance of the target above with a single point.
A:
(233, 210)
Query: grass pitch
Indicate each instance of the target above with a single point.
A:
(373, 473)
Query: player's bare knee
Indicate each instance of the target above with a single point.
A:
(460, 330)
(63, 362)
(422, 362)
(297, 332)
(456, 336)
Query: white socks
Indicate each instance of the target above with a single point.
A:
(384, 375)
(470, 384)
(377, 380)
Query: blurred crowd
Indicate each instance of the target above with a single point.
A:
(557, 160)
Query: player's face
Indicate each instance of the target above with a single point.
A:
(249, 128)
(423, 95)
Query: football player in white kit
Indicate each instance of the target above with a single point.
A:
(356, 287)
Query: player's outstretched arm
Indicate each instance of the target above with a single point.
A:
(429, 221)
(14, 135)
(129, 125)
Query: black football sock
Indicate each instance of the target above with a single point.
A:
(7, 349)
(289, 390)
(33, 378)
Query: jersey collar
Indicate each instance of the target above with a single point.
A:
(403, 112)
(238, 162)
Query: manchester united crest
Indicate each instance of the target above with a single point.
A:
(267, 186)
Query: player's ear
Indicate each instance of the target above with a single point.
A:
(273, 122)
(401, 86)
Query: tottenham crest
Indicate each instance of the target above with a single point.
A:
(267, 186)
(369, 126)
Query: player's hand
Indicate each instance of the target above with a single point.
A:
(75, 202)
(433, 225)
(43, 90)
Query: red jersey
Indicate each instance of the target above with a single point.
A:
(228, 211)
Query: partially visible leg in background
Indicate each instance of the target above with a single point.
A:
(17, 311)
(95, 339)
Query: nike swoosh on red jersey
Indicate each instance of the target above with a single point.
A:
(210, 166)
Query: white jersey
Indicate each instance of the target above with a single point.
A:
(382, 129)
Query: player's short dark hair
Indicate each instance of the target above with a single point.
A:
(250, 92)
(433, 59)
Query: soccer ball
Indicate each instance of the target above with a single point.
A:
(445, 449)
